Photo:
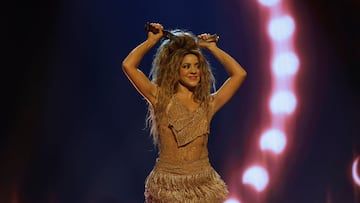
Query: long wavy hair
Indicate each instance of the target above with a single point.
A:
(165, 73)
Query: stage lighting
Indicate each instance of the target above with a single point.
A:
(257, 177)
(269, 2)
(285, 64)
(281, 28)
(232, 200)
(273, 140)
(283, 102)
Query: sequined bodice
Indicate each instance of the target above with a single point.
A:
(184, 133)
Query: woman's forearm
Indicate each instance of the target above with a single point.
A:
(232, 67)
(136, 55)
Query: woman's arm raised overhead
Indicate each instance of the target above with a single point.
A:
(236, 73)
(130, 65)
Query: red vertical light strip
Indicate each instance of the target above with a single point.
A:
(284, 64)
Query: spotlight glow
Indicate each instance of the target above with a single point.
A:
(281, 28)
(355, 173)
(273, 140)
(285, 64)
(283, 102)
(232, 200)
(269, 2)
(257, 177)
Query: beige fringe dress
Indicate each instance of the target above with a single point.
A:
(183, 173)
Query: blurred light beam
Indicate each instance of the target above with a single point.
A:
(285, 64)
(273, 140)
(257, 177)
(232, 200)
(283, 102)
(281, 28)
(355, 173)
(269, 2)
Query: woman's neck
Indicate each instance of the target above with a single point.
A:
(185, 92)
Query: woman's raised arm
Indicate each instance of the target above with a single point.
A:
(236, 73)
(130, 65)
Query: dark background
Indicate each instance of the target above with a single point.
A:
(73, 125)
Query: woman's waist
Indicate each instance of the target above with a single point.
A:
(182, 167)
(183, 154)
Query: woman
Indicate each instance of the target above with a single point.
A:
(181, 107)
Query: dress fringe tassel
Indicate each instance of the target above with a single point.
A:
(196, 182)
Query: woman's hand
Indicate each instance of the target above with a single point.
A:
(207, 41)
(155, 37)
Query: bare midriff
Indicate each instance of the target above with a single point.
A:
(169, 151)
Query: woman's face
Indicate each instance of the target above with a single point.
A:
(190, 71)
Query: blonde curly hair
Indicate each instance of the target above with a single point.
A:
(165, 73)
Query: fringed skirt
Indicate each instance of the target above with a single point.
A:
(196, 182)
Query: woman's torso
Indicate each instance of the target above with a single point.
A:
(183, 134)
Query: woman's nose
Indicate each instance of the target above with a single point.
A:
(193, 69)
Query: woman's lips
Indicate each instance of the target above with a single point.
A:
(193, 77)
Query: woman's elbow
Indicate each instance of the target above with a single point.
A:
(242, 73)
(125, 65)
